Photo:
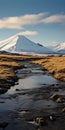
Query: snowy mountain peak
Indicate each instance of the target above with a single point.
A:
(19, 43)
(58, 48)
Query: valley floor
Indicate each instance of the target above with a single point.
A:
(10, 63)
(32, 109)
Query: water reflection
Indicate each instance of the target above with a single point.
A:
(33, 79)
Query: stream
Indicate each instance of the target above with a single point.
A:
(30, 78)
(30, 94)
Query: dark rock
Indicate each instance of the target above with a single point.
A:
(10, 81)
(3, 90)
(16, 83)
(53, 72)
(3, 125)
(17, 89)
(2, 102)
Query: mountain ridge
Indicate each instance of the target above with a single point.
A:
(58, 48)
(20, 43)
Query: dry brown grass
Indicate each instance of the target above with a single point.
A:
(8, 63)
(16, 58)
(55, 65)
(6, 72)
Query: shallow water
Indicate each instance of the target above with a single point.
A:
(29, 98)
(30, 78)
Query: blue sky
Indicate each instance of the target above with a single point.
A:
(41, 21)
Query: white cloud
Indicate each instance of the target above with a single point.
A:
(54, 19)
(19, 22)
(26, 33)
(30, 19)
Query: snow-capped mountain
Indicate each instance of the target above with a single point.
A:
(19, 43)
(58, 48)
(61, 48)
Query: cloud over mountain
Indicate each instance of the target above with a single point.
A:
(26, 33)
(18, 22)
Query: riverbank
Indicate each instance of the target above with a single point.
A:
(55, 65)
(9, 63)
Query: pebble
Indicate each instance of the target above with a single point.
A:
(63, 110)
(40, 121)
(59, 100)
(54, 97)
